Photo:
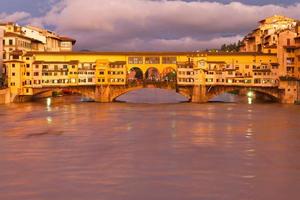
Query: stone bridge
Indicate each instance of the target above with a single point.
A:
(196, 94)
(273, 93)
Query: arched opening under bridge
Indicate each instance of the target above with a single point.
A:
(169, 75)
(152, 74)
(135, 74)
(83, 93)
(243, 95)
(152, 96)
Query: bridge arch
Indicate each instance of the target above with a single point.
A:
(184, 93)
(169, 74)
(85, 91)
(273, 93)
(152, 74)
(135, 73)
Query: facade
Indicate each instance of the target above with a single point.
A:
(17, 40)
(44, 69)
(25, 39)
(279, 35)
(265, 37)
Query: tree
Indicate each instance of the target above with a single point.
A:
(233, 47)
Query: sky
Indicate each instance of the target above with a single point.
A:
(147, 25)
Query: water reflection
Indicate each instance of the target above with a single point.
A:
(75, 150)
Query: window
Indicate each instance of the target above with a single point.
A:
(290, 51)
(169, 60)
(13, 74)
(27, 65)
(36, 74)
(27, 73)
(65, 44)
(152, 60)
(45, 66)
(135, 60)
(15, 57)
(290, 61)
(10, 42)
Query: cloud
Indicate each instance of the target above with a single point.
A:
(156, 24)
(14, 17)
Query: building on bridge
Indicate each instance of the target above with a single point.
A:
(105, 75)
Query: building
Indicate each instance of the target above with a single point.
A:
(51, 69)
(279, 35)
(17, 40)
(265, 37)
(34, 39)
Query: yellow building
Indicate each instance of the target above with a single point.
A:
(44, 69)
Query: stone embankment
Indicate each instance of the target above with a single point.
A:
(4, 96)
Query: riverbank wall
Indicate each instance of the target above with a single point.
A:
(4, 96)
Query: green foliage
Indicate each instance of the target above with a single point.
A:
(2, 81)
(234, 47)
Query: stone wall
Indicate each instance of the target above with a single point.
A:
(291, 91)
(4, 96)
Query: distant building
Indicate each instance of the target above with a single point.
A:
(29, 38)
(279, 35)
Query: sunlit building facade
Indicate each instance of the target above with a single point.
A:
(36, 58)
(279, 35)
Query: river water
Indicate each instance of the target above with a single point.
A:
(64, 149)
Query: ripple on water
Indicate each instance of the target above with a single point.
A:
(142, 151)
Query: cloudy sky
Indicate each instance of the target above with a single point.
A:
(131, 25)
